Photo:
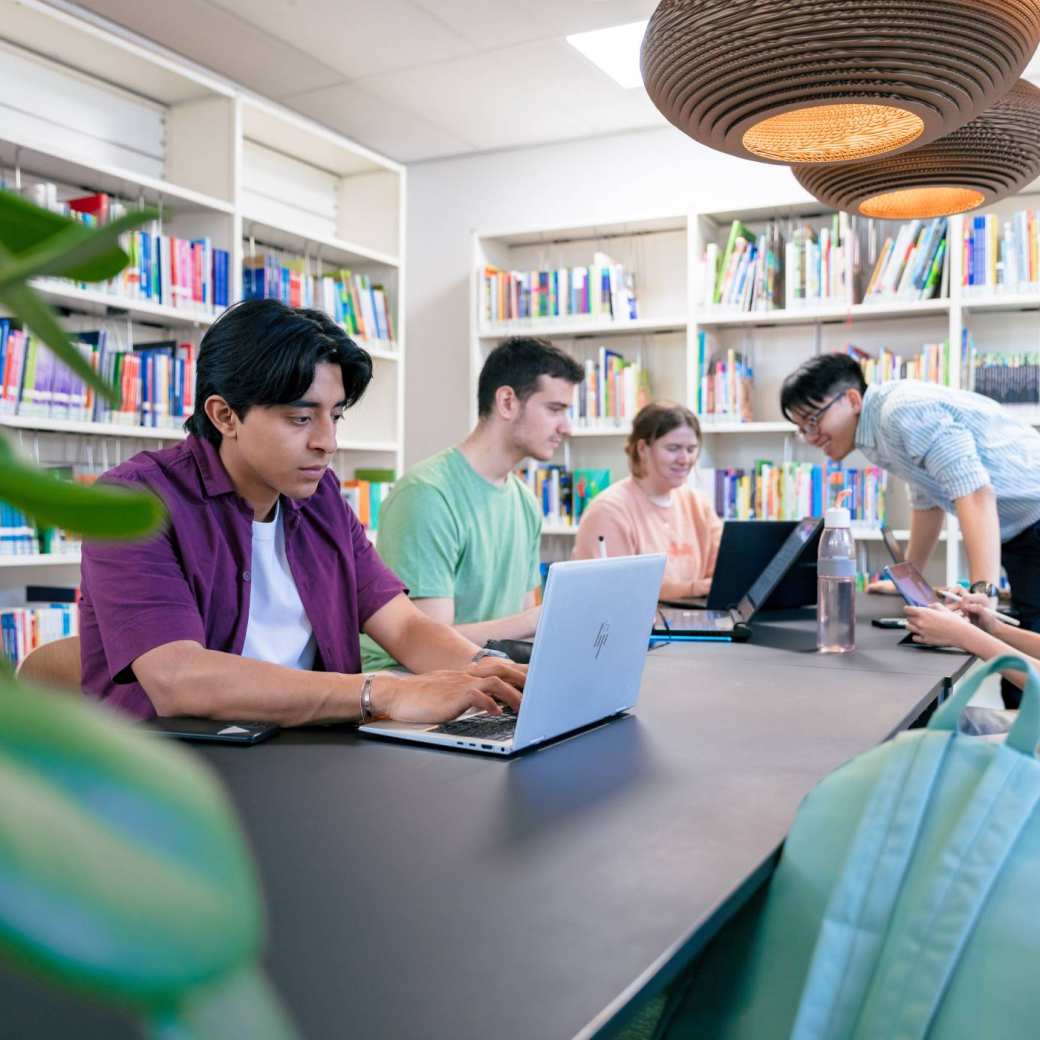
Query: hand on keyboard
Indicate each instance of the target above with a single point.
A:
(437, 696)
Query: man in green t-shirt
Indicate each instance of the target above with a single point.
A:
(460, 529)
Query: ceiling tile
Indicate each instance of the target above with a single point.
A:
(488, 24)
(200, 31)
(506, 96)
(355, 37)
(388, 128)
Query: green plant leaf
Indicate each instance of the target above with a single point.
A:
(25, 302)
(96, 511)
(98, 816)
(24, 225)
(87, 254)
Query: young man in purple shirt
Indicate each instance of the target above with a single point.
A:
(250, 602)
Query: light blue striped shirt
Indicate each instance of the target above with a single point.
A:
(948, 443)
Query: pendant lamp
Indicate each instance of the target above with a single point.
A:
(995, 155)
(806, 81)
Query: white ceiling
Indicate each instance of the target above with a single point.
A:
(413, 79)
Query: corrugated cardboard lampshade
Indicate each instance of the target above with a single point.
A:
(805, 81)
(995, 155)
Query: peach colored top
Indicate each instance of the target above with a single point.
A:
(688, 530)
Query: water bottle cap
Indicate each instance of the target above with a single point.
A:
(837, 516)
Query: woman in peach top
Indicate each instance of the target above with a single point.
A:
(654, 510)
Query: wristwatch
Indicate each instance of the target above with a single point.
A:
(985, 588)
(486, 652)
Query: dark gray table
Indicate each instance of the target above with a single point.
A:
(419, 892)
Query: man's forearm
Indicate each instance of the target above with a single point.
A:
(515, 626)
(925, 525)
(980, 529)
(211, 684)
(427, 645)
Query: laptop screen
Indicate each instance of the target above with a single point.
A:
(778, 566)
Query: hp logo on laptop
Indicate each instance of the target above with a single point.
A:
(601, 637)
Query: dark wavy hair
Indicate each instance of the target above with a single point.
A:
(823, 376)
(261, 352)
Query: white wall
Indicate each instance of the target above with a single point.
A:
(600, 179)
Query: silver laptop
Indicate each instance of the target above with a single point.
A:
(586, 663)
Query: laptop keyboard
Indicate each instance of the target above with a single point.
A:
(718, 619)
(487, 727)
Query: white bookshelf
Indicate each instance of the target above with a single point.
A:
(655, 247)
(667, 263)
(91, 111)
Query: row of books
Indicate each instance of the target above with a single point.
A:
(791, 490)
(23, 629)
(818, 264)
(934, 363)
(912, 265)
(187, 274)
(366, 493)
(1010, 378)
(613, 390)
(603, 290)
(351, 300)
(770, 270)
(20, 536)
(723, 384)
(747, 273)
(156, 381)
(563, 494)
(1002, 256)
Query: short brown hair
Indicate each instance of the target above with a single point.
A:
(654, 421)
(520, 362)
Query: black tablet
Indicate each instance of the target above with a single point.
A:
(215, 730)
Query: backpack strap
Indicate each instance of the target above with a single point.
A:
(865, 981)
(920, 959)
(860, 906)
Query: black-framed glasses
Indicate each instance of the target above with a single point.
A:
(812, 424)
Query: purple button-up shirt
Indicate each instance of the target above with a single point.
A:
(192, 581)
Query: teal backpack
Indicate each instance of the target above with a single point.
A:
(906, 903)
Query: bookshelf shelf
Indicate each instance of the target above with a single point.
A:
(708, 427)
(380, 353)
(561, 327)
(95, 301)
(37, 160)
(309, 242)
(68, 558)
(362, 445)
(993, 304)
(602, 431)
(144, 126)
(811, 315)
(152, 433)
(559, 530)
(44, 424)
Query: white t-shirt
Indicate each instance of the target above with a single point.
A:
(278, 630)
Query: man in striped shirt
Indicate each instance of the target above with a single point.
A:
(959, 452)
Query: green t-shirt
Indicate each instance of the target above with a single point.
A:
(446, 532)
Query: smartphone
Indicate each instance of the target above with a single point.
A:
(213, 730)
(888, 622)
(911, 585)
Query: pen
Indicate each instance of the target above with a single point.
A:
(602, 549)
(1006, 618)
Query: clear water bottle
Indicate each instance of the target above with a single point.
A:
(836, 585)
